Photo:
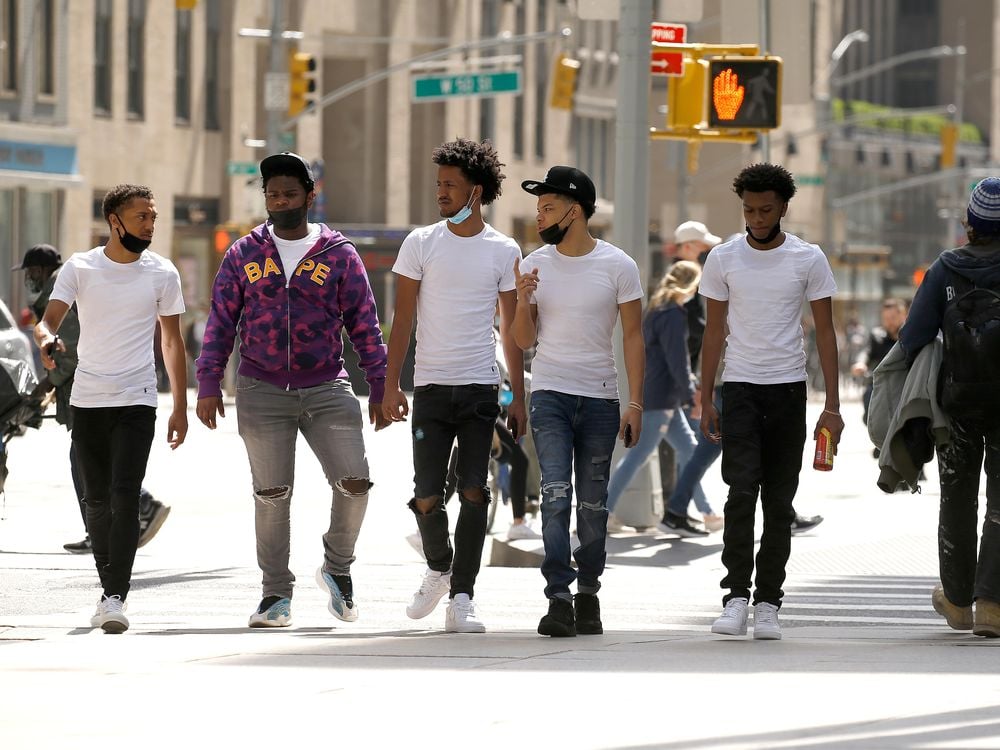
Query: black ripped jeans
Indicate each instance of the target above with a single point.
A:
(442, 414)
(965, 575)
(763, 435)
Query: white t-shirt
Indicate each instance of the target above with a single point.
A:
(577, 299)
(118, 304)
(292, 251)
(460, 278)
(766, 290)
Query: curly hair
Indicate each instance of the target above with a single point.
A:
(759, 178)
(120, 195)
(479, 162)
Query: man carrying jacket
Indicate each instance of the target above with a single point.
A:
(290, 288)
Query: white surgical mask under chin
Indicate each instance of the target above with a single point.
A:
(463, 213)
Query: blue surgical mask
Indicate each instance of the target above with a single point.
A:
(465, 212)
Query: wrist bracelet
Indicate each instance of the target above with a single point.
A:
(834, 413)
(635, 405)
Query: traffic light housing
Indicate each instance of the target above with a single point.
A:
(949, 144)
(564, 82)
(744, 93)
(686, 97)
(301, 81)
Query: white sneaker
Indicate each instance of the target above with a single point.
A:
(110, 615)
(614, 525)
(434, 586)
(521, 531)
(713, 521)
(461, 616)
(733, 620)
(765, 622)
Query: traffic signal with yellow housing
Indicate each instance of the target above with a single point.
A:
(564, 82)
(744, 92)
(301, 81)
(686, 97)
(949, 143)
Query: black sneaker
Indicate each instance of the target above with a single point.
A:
(802, 524)
(83, 547)
(151, 518)
(587, 608)
(681, 526)
(560, 621)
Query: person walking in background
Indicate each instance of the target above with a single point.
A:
(757, 285)
(450, 275)
(569, 302)
(41, 269)
(290, 288)
(880, 341)
(960, 297)
(667, 386)
(121, 290)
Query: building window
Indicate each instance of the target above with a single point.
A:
(8, 35)
(136, 57)
(541, 79)
(182, 75)
(46, 47)
(213, 38)
(102, 57)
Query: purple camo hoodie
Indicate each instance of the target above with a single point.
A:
(290, 329)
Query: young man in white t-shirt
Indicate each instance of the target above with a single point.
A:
(569, 301)
(120, 290)
(757, 284)
(451, 275)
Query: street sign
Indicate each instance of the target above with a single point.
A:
(668, 33)
(666, 63)
(234, 168)
(438, 87)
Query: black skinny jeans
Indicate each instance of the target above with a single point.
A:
(763, 435)
(442, 413)
(964, 575)
(112, 447)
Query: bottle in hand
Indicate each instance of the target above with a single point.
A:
(823, 459)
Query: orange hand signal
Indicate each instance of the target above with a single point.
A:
(727, 94)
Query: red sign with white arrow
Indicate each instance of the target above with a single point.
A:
(667, 62)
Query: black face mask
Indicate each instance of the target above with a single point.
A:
(290, 218)
(553, 234)
(129, 241)
(770, 235)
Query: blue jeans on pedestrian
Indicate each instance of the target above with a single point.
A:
(574, 439)
(682, 434)
(269, 419)
(655, 423)
(688, 485)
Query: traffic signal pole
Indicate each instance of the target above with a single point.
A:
(277, 65)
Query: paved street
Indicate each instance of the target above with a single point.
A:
(864, 663)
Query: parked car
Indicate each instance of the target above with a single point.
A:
(14, 344)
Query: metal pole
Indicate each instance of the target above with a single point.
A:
(955, 186)
(277, 66)
(639, 504)
(765, 45)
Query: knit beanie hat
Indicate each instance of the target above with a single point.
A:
(984, 207)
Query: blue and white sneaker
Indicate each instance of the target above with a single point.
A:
(273, 612)
(341, 591)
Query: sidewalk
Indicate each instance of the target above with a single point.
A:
(864, 663)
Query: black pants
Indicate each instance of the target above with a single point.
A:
(763, 435)
(442, 413)
(964, 575)
(112, 445)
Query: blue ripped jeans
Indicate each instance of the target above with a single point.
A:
(574, 438)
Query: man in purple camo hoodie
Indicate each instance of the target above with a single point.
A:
(290, 288)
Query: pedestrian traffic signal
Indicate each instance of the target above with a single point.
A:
(225, 235)
(564, 82)
(301, 81)
(949, 144)
(744, 93)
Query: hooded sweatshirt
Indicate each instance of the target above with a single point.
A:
(980, 264)
(290, 325)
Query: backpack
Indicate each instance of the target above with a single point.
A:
(969, 385)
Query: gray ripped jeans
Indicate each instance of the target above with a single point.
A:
(329, 417)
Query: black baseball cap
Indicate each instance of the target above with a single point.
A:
(44, 256)
(565, 181)
(287, 163)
